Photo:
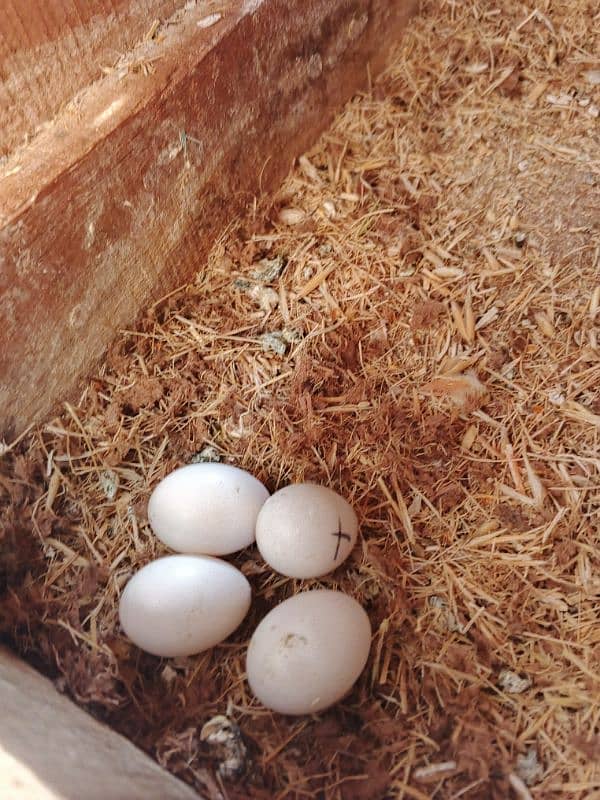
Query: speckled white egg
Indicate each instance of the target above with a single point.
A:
(308, 652)
(181, 605)
(305, 530)
(206, 509)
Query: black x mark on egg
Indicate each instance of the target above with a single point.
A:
(340, 535)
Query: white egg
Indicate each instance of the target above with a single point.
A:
(305, 530)
(308, 652)
(180, 605)
(206, 509)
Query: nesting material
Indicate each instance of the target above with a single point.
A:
(436, 257)
(225, 738)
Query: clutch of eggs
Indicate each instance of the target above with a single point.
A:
(308, 651)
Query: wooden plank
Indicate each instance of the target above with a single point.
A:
(106, 210)
(50, 49)
(52, 750)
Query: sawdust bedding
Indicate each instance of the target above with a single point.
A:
(413, 321)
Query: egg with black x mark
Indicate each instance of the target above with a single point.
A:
(305, 530)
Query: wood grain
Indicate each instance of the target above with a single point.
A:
(105, 210)
(51, 49)
(52, 750)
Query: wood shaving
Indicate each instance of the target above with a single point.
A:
(513, 683)
(209, 21)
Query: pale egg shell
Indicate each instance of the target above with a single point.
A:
(308, 652)
(181, 605)
(206, 509)
(305, 530)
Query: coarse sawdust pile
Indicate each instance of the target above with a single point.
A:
(415, 322)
